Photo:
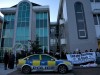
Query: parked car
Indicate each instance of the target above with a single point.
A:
(43, 62)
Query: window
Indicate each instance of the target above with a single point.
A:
(37, 23)
(45, 32)
(43, 41)
(92, 0)
(79, 16)
(22, 31)
(52, 30)
(80, 20)
(81, 25)
(8, 29)
(41, 19)
(82, 33)
(9, 24)
(42, 28)
(45, 23)
(45, 15)
(95, 0)
(34, 57)
(52, 41)
(96, 19)
(45, 57)
(8, 42)
(0, 33)
(99, 18)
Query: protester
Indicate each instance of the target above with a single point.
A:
(62, 55)
(57, 55)
(17, 57)
(11, 60)
(91, 50)
(97, 50)
(6, 58)
(86, 50)
(79, 52)
(74, 52)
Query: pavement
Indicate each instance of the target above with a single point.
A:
(77, 71)
(5, 72)
(39, 73)
(87, 71)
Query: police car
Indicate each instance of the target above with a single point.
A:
(43, 62)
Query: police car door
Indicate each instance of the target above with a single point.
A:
(35, 60)
(47, 62)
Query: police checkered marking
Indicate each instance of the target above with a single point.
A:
(51, 63)
(59, 62)
(43, 63)
(29, 62)
(67, 63)
(36, 63)
(22, 62)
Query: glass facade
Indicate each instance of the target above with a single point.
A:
(42, 29)
(80, 19)
(22, 30)
(1, 22)
(8, 31)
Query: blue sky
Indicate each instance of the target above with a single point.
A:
(53, 4)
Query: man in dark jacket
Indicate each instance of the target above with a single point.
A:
(17, 57)
(11, 61)
(6, 59)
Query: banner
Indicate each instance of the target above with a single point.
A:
(98, 54)
(81, 58)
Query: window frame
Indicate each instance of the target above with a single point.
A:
(79, 20)
(27, 58)
(53, 59)
(94, 1)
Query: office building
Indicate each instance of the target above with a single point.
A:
(80, 20)
(1, 22)
(53, 36)
(25, 21)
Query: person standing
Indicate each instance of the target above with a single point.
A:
(6, 59)
(11, 60)
(17, 57)
(91, 50)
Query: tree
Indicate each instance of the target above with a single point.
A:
(35, 47)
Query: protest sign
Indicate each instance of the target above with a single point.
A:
(81, 58)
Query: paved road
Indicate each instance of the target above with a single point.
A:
(15, 72)
(76, 71)
(39, 73)
(87, 71)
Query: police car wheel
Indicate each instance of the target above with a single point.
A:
(62, 69)
(26, 69)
